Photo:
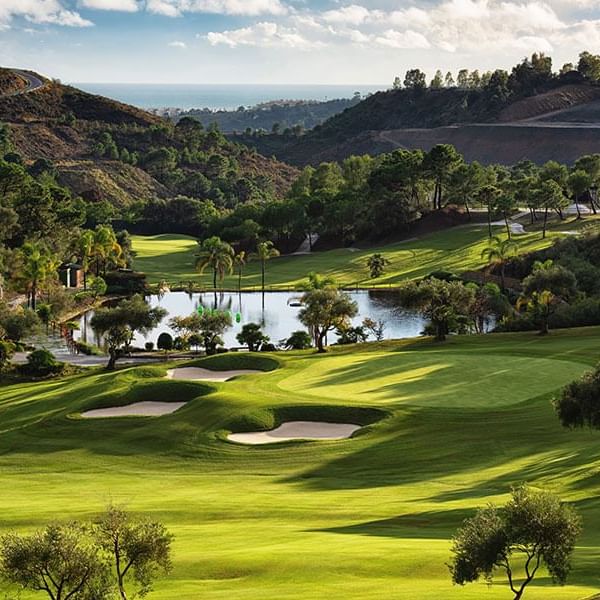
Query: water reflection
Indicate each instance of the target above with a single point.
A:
(278, 317)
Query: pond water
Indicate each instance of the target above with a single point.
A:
(278, 318)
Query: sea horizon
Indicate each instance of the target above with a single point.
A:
(221, 96)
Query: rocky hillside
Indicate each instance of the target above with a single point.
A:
(111, 151)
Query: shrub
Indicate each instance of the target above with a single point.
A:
(87, 349)
(299, 340)
(165, 342)
(149, 346)
(41, 363)
(7, 349)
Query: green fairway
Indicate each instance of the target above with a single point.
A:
(170, 258)
(366, 518)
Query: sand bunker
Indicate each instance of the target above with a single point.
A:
(297, 430)
(198, 374)
(138, 409)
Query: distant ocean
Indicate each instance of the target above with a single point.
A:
(215, 97)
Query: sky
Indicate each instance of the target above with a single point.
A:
(286, 41)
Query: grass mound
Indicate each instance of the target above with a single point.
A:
(234, 361)
(266, 419)
(151, 391)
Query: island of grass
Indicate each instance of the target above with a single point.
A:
(363, 518)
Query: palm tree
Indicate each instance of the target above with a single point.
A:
(105, 248)
(318, 282)
(216, 254)
(498, 253)
(38, 266)
(265, 251)
(240, 260)
(85, 248)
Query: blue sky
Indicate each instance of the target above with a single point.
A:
(285, 41)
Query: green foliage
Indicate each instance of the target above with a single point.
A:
(139, 549)
(19, 324)
(579, 402)
(60, 560)
(534, 526)
(165, 342)
(7, 350)
(443, 303)
(118, 325)
(252, 336)
(325, 310)
(376, 265)
(216, 255)
(212, 326)
(298, 340)
(41, 363)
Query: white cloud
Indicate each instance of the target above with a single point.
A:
(120, 5)
(177, 44)
(403, 39)
(41, 11)
(173, 8)
(163, 7)
(348, 15)
(265, 34)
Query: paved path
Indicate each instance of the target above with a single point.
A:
(33, 82)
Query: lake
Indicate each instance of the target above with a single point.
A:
(278, 319)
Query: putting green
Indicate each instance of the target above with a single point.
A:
(432, 378)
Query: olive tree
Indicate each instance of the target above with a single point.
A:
(443, 303)
(252, 336)
(326, 310)
(212, 326)
(60, 560)
(138, 548)
(531, 530)
(118, 325)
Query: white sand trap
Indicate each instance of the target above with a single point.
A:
(297, 430)
(138, 409)
(198, 374)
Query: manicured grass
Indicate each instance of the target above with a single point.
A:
(365, 518)
(171, 258)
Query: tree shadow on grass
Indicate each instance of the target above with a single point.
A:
(427, 524)
(524, 444)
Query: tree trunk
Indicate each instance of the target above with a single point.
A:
(33, 295)
(467, 209)
(545, 222)
(214, 279)
(577, 206)
(440, 332)
(489, 216)
(593, 202)
(507, 225)
(240, 280)
(262, 269)
(545, 329)
(320, 342)
(502, 280)
(112, 360)
(531, 215)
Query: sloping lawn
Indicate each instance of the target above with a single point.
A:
(366, 518)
